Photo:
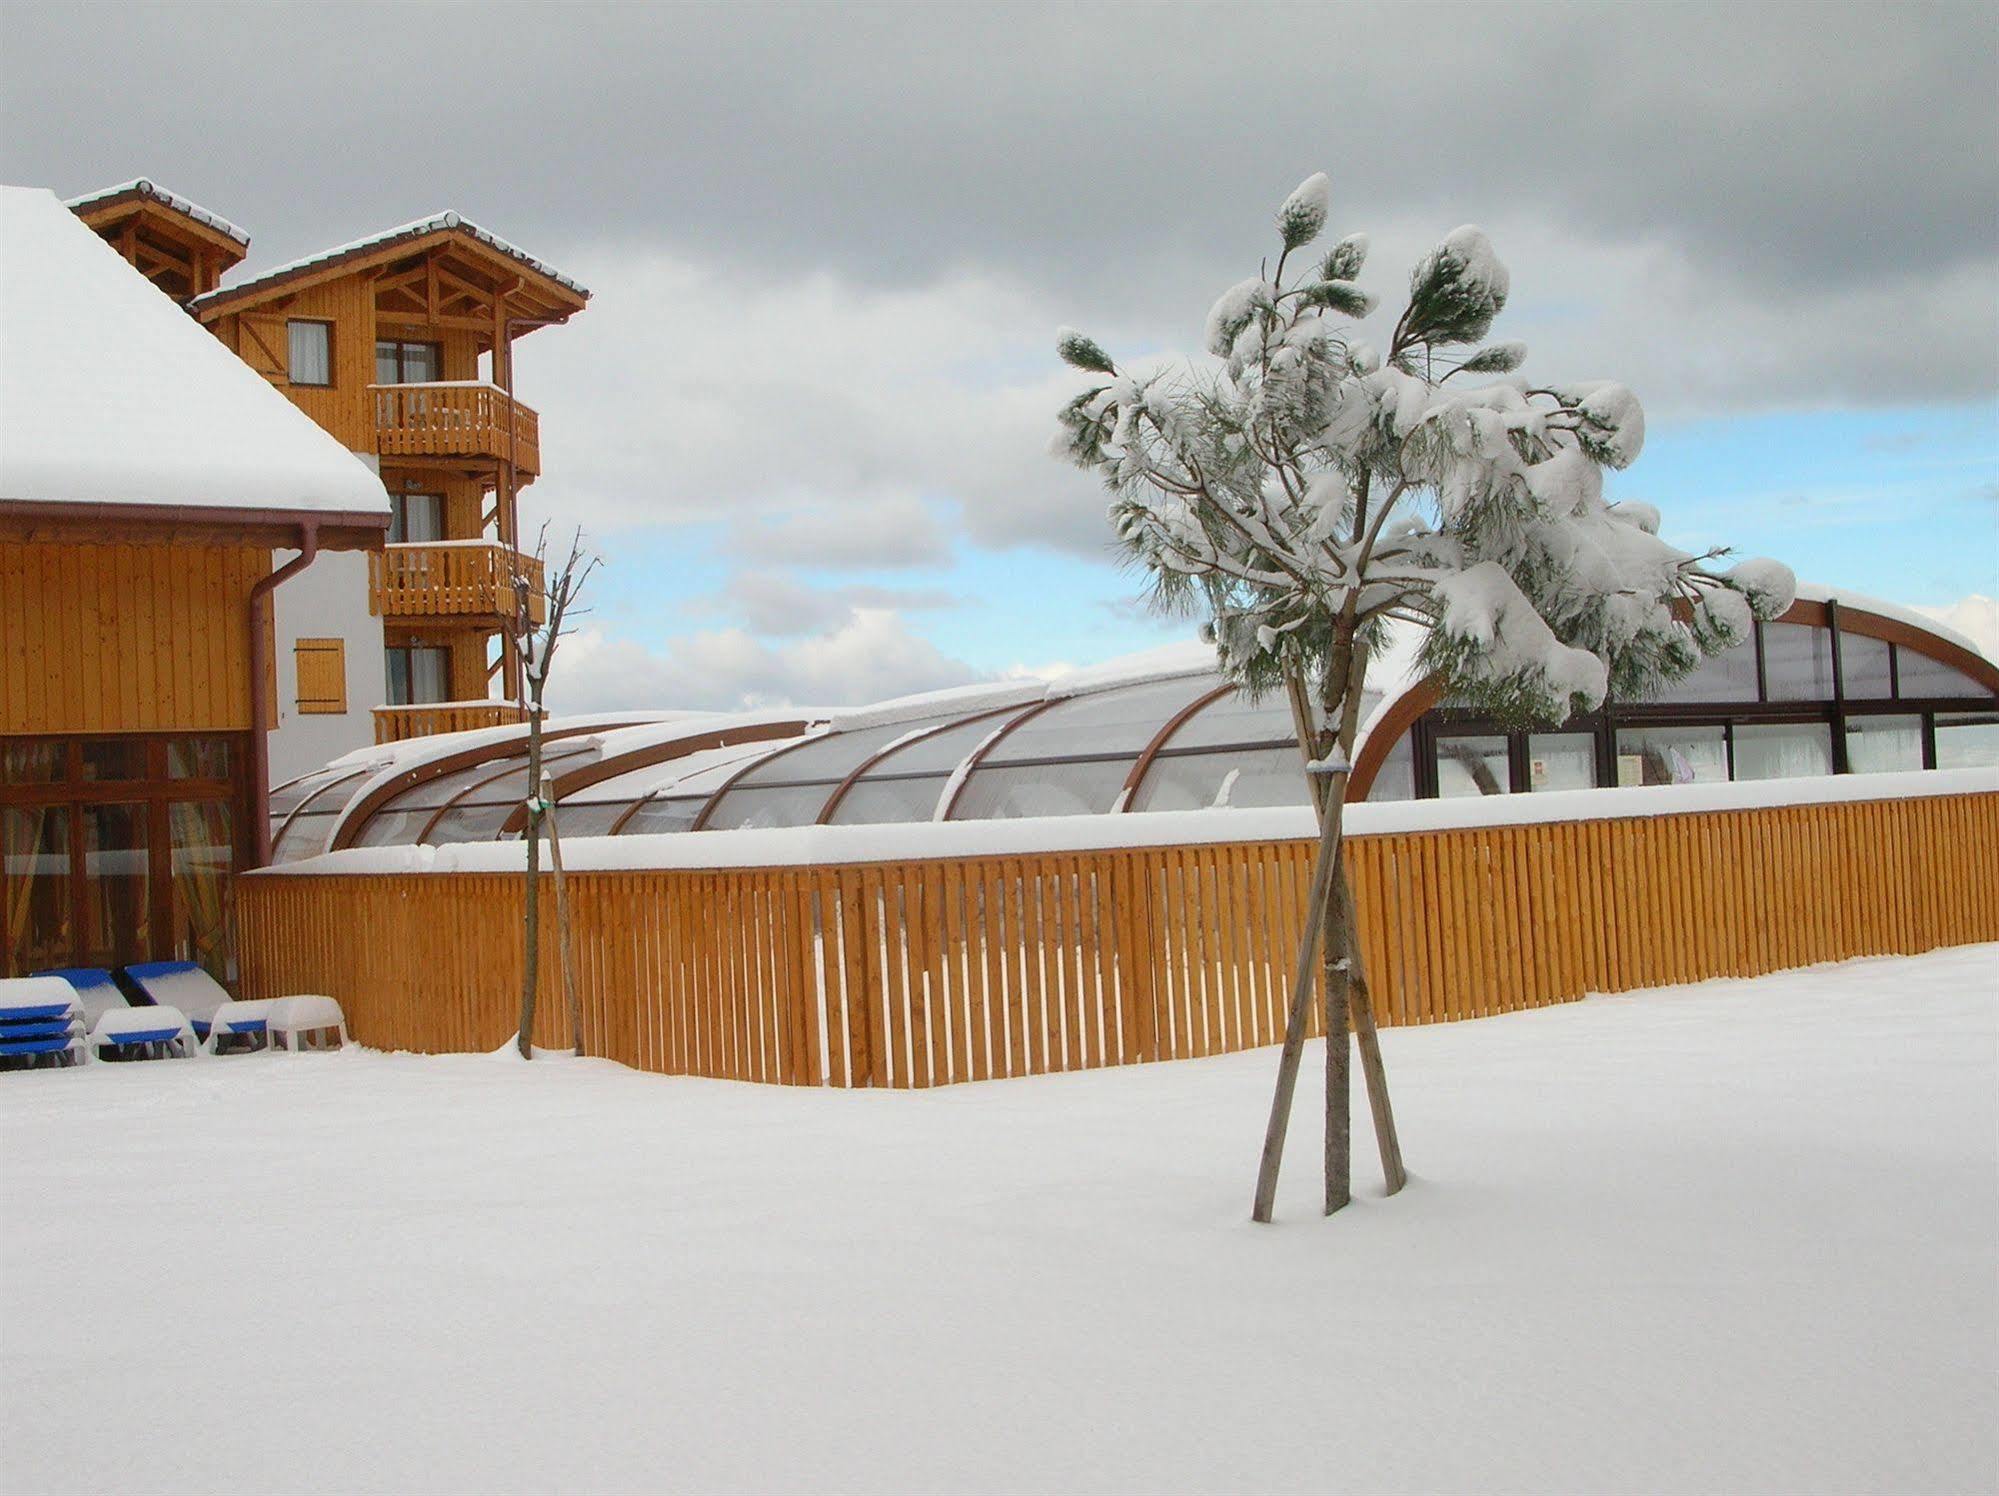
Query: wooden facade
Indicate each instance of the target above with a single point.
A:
(124, 636)
(926, 972)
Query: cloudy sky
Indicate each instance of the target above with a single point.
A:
(805, 417)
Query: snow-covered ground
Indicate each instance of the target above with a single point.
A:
(1737, 1237)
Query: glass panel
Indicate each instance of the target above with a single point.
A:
(198, 758)
(1239, 778)
(1119, 721)
(1472, 766)
(1797, 662)
(393, 828)
(114, 758)
(1671, 755)
(1782, 750)
(34, 887)
(1561, 761)
(831, 757)
(664, 815)
(1876, 745)
(430, 675)
(420, 363)
(941, 752)
(885, 801)
(203, 855)
(794, 805)
(587, 819)
(463, 823)
(1728, 676)
(1923, 678)
(311, 349)
(386, 369)
(304, 837)
(1061, 789)
(1232, 719)
(116, 907)
(1863, 668)
(1396, 779)
(33, 761)
(1967, 740)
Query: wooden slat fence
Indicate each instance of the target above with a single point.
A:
(923, 973)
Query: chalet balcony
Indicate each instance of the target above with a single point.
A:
(395, 723)
(453, 580)
(457, 418)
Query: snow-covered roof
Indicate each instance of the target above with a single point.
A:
(415, 229)
(112, 395)
(147, 188)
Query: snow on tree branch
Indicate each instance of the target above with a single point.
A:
(1297, 487)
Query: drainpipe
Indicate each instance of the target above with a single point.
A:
(260, 693)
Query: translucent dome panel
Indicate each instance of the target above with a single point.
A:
(1241, 778)
(791, 789)
(883, 801)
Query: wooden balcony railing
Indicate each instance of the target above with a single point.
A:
(394, 723)
(452, 579)
(456, 419)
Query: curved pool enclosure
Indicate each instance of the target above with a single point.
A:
(1838, 685)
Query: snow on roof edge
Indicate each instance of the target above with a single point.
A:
(450, 218)
(187, 207)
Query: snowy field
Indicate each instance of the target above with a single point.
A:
(1737, 1237)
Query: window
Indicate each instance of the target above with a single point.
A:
(418, 674)
(1672, 755)
(1472, 766)
(322, 676)
(1797, 662)
(1876, 745)
(1967, 740)
(1921, 677)
(1864, 670)
(415, 518)
(310, 352)
(398, 362)
(1561, 761)
(1396, 778)
(1782, 750)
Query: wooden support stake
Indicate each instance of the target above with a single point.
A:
(562, 916)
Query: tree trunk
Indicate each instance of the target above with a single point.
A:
(1325, 866)
(562, 922)
(1368, 1042)
(525, 1039)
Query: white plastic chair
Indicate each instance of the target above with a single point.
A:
(155, 1025)
(288, 1019)
(235, 1019)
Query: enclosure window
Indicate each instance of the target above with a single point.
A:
(1797, 662)
(1967, 740)
(1922, 678)
(1866, 670)
(310, 349)
(1782, 750)
(1672, 755)
(1396, 778)
(1877, 745)
(1472, 766)
(1561, 761)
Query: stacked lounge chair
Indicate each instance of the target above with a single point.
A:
(41, 1022)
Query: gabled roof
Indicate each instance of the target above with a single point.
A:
(143, 188)
(111, 395)
(386, 245)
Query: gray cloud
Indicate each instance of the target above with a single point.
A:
(777, 604)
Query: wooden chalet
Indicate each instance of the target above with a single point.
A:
(146, 478)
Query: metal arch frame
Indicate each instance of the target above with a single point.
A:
(365, 806)
(1151, 751)
(333, 783)
(840, 792)
(658, 753)
(970, 762)
(708, 807)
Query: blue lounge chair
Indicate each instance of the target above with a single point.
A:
(96, 989)
(178, 984)
(40, 1017)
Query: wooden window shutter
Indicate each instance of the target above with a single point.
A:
(322, 675)
(261, 340)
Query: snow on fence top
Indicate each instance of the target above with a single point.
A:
(145, 187)
(113, 395)
(928, 840)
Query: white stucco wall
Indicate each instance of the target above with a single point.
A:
(328, 600)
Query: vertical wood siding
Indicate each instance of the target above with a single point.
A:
(125, 638)
(924, 973)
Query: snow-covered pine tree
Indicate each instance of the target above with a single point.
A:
(1299, 488)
